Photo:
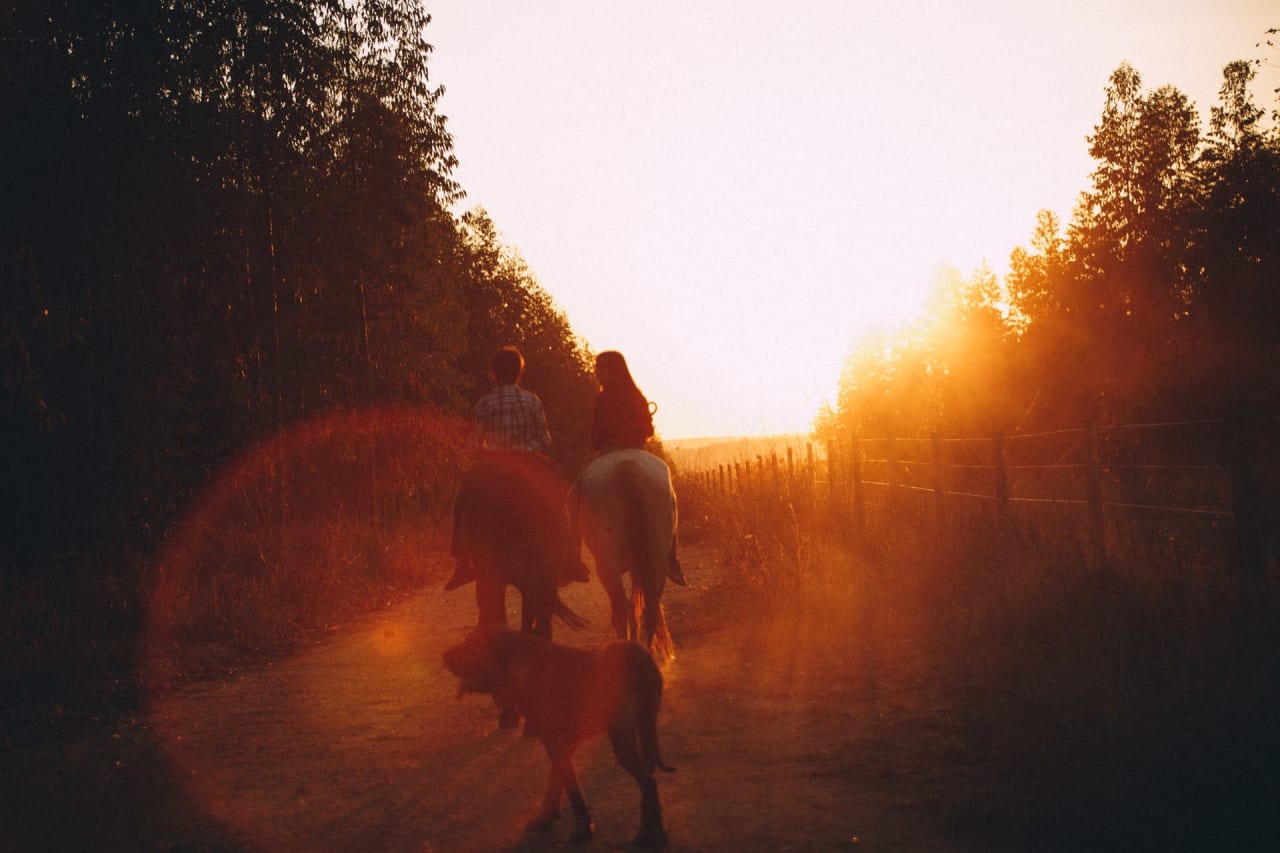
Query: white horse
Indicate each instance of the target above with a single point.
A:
(628, 512)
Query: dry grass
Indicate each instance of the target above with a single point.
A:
(1133, 705)
(314, 528)
(329, 520)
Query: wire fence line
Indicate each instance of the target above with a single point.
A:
(1214, 470)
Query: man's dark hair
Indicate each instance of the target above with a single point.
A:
(507, 365)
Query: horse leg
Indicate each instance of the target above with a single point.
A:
(491, 597)
(527, 620)
(537, 604)
(491, 601)
(621, 613)
(652, 613)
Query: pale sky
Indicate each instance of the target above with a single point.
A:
(730, 193)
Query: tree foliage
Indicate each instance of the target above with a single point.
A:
(221, 218)
(1156, 300)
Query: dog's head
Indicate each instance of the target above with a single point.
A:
(482, 660)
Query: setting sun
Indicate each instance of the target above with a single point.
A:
(732, 197)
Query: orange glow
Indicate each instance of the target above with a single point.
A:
(734, 238)
(228, 560)
(360, 718)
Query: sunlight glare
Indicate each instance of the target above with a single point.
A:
(733, 199)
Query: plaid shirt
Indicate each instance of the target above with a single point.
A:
(511, 418)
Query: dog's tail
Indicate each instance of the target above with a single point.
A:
(650, 700)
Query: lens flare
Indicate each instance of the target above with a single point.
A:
(270, 557)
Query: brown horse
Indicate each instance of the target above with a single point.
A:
(513, 527)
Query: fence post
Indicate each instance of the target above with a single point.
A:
(1093, 494)
(1002, 475)
(936, 442)
(811, 470)
(1237, 456)
(859, 497)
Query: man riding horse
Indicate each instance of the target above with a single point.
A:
(509, 524)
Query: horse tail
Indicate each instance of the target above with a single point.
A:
(647, 570)
(568, 615)
(661, 645)
(636, 511)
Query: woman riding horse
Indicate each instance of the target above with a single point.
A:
(621, 418)
(624, 503)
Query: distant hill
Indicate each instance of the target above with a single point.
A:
(700, 454)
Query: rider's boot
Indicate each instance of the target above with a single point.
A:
(463, 572)
(675, 573)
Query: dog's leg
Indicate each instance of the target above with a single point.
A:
(652, 834)
(563, 778)
(583, 828)
(626, 746)
(550, 802)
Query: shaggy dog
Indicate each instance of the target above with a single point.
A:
(567, 695)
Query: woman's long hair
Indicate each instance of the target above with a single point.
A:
(614, 375)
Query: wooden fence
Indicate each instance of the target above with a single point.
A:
(1218, 471)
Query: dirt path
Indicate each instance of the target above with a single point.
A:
(782, 742)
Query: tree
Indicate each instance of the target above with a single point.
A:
(1055, 368)
(1130, 232)
(221, 217)
(1237, 229)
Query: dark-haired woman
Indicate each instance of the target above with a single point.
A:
(621, 419)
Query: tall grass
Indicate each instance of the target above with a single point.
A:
(1130, 705)
(308, 529)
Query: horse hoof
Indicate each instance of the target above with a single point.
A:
(582, 833)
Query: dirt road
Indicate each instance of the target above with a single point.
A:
(783, 740)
